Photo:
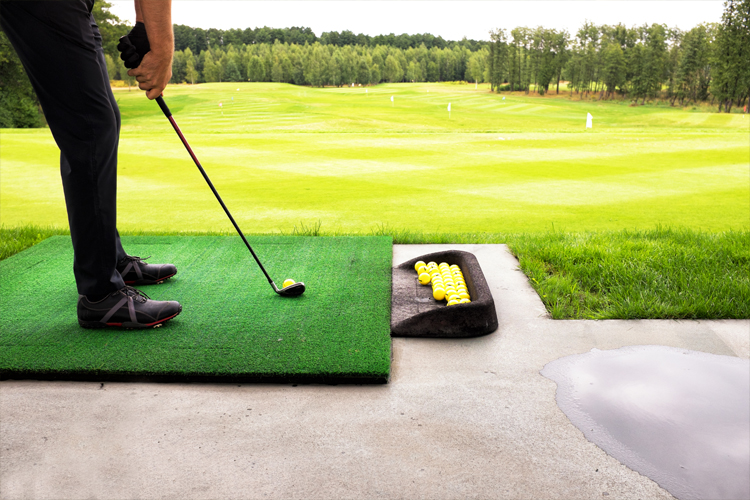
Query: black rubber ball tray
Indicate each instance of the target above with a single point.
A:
(415, 313)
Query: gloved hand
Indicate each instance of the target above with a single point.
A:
(134, 46)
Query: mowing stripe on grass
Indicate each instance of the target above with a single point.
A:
(232, 328)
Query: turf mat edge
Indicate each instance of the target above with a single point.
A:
(329, 335)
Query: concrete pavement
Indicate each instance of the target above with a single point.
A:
(463, 418)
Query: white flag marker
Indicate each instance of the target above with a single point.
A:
(449, 106)
(589, 121)
(503, 98)
(391, 98)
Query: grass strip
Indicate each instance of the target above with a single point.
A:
(648, 274)
(232, 328)
(656, 274)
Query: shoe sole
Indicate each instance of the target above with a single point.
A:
(149, 282)
(127, 325)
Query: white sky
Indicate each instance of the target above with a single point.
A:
(451, 19)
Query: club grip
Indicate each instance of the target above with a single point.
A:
(163, 106)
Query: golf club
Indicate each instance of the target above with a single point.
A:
(293, 290)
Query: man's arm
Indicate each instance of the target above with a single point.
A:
(156, 67)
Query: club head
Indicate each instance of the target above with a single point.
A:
(293, 290)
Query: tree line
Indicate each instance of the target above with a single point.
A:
(318, 64)
(198, 39)
(709, 62)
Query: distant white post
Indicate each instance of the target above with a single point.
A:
(391, 101)
(589, 121)
(449, 111)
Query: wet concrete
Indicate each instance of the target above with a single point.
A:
(680, 417)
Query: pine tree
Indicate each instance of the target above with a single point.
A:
(730, 72)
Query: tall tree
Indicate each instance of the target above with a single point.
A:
(730, 78)
(393, 70)
(497, 58)
(614, 71)
(562, 54)
(19, 106)
(211, 70)
(191, 73)
(655, 59)
(256, 71)
(110, 27)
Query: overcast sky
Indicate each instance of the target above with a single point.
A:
(451, 19)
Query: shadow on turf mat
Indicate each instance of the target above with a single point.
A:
(414, 313)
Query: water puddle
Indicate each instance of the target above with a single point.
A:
(679, 417)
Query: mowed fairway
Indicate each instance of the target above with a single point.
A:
(282, 156)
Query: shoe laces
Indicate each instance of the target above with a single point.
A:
(135, 294)
(133, 258)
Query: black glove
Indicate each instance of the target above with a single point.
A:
(134, 46)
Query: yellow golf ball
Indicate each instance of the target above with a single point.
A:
(418, 264)
(463, 295)
(288, 282)
(438, 294)
(421, 269)
(452, 302)
(464, 301)
(424, 278)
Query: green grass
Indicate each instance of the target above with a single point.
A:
(677, 274)
(337, 161)
(654, 274)
(282, 156)
(233, 327)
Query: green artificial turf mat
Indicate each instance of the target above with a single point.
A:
(233, 327)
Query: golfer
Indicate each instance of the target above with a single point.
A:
(60, 47)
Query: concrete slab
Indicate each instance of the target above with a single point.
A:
(461, 418)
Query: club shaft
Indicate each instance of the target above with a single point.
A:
(211, 185)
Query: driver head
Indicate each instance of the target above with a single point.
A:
(293, 290)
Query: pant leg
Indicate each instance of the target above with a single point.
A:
(119, 250)
(62, 54)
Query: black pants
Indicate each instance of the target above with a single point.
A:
(60, 48)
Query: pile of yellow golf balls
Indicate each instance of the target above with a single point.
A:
(447, 281)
